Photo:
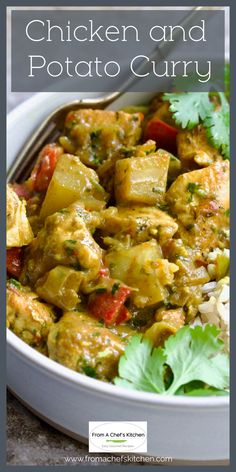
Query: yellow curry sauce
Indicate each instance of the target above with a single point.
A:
(110, 235)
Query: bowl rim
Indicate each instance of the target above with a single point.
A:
(62, 373)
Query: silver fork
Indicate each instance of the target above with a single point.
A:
(50, 128)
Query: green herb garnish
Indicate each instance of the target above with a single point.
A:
(193, 354)
(115, 287)
(101, 290)
(90, 371)
(191, 108)
(95, 134)
(63, 211)
(217, 127)
(69, 246)
(15, 282)
(156, 190)
(196, 189)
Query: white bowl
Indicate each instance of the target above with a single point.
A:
(184, 428)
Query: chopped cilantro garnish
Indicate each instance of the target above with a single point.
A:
(95, 134)
(227, 212)
(128, 152)
(162, 206)
(96, 334)
(63, 211)
(194, 188)
(156, 190)
(15, 282)
(193, 354)
(96, 160)
(115, 287)
(90, 371)
(69, 246)
(101, 290)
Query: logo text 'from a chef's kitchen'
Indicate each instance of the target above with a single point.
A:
(118, 436)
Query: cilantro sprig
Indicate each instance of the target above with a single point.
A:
(217, 127)
(191, 108)
(194, 356)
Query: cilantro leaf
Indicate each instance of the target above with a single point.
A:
(217, 127)
(189, 108)
(207, 392)
(141, 367)
(193, 354)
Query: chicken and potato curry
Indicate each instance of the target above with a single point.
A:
(111, 235)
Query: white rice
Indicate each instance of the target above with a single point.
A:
(211, 259)
(215, 310)
(216, 305)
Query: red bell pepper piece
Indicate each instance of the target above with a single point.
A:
(163, 133)
(45, 166)
(14, 261)
(124, 315)
(110, 307)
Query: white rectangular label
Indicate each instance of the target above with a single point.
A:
(117, 436)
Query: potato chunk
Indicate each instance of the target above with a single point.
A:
(19, 232)
(64, 240)
(141, 179)
(141, 223)
(73, 181)
(142, 268)
(200, 200)
(106, 171)
(27, 317)
(79, 342)
(94, 135)
(60, 286)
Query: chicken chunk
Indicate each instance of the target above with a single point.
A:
(94, 135)
(64, 240)
(194, 149)
(200, 201)
(19, 232)
(142, 268)
(141, 223)
(168, 322)
(27, 317)
(79, 342)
